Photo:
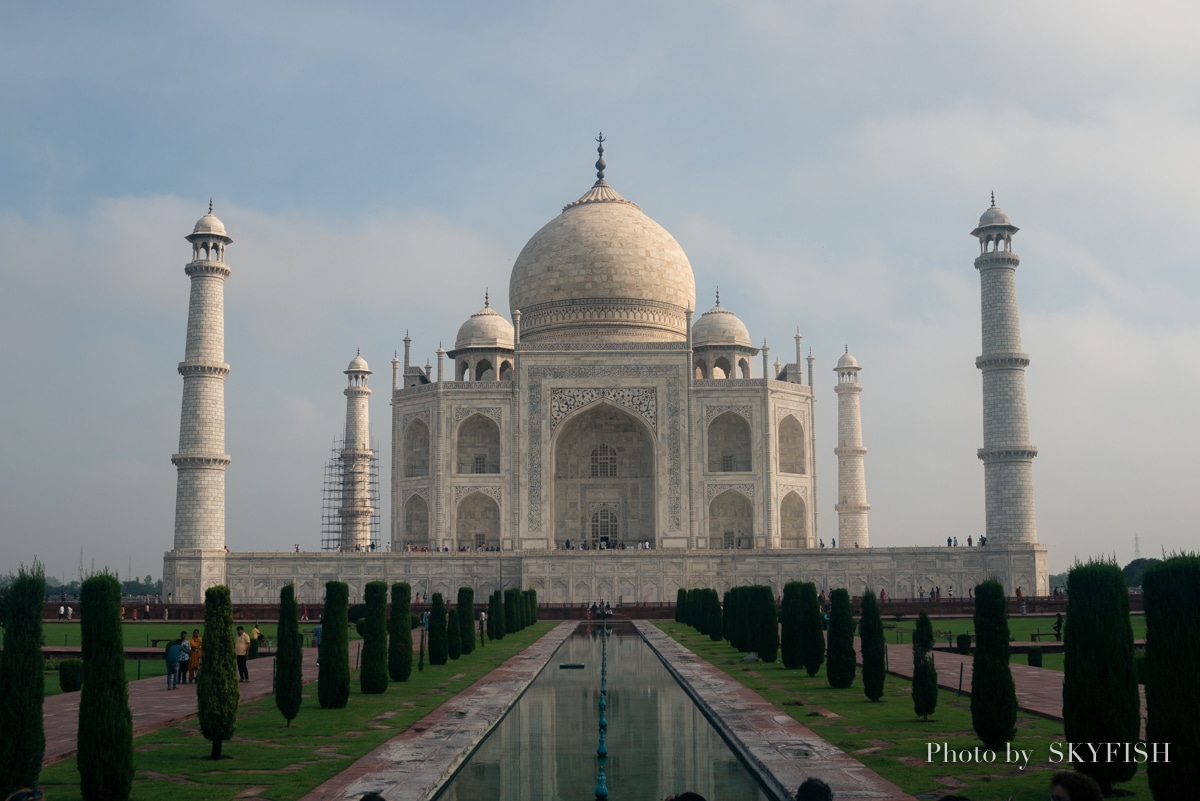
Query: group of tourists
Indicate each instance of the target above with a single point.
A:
(183, 659)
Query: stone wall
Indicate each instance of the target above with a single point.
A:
(631, 576)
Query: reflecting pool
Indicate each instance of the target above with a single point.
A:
(659, 742)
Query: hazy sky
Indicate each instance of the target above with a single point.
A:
(379, 165)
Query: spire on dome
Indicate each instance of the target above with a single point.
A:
(600, 165)
(718, 296)
(993, 198)
(210, 205)
(487, 298)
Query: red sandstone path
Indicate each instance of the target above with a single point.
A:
(153, 706)
(1039, 690)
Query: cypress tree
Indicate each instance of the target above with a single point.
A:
(681, 605)
(871, 636)
(333, 677)
(453, 635)
(727, 617)
(1098, 663)
(438, 647)
(699, 608)
(714, 616)
(532, 612)
(812, 633)
(840, 666)
(1172, 596)
(105, 738)
(993, 695)
(373, 675)
(510, 612)
(400, 633)
(22, 736)
(217, 691)
(496, 627)
(289, 658)
(767, 629)
(924, 686)
(790, 648)
(466, 619)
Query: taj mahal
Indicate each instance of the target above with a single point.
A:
(605, 443)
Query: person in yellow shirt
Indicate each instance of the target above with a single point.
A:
(194, 660)
(241, 648)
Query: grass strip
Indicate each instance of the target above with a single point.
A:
(282, 763)
(889, 738)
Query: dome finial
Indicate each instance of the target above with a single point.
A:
(358, 351)
(847, 347)
(487, 298)
(600, 165)
(993, 198)
(718, 296)
(210, 205)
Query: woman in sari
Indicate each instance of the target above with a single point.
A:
(194, 659)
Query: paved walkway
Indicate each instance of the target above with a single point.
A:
(1039, 690)
(152, 705)
(778, 745)
(415, 762)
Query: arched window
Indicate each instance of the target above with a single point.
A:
(478, 445)
(729, 444)
(604, 525)
(416, 449)
(604, 462)
(793, 456)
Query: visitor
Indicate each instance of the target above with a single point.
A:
(814, 789)
(971, 593)
(822, 543)
(241, 648)
(185, 657)
(951, 592)
(832, 542)
(949, 542)
(968, 540)
(62, 612)
(194, 662)
(1068, 785)
(256, 641)
(922, 592)
(1058, 626)
(173, 652)
(317, 630)
(956, 542)
(304, 614)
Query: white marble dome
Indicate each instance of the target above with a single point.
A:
(358, 364)
(719, 326)
(602, 271)
(485, 328)
(209, 225)
(994, 216)
(847, 361)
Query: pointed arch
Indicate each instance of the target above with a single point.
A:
(621, 448)
(729, 444)
(478, 445)
(793, 521)
(477, 522)
(483, 370)
(793, 447)
(416, 449)
(416, 522)
(730, 521)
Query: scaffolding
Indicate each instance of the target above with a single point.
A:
(332, 499)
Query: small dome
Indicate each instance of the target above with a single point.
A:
(719, 326)
(358, 364)
(210, 225)
(994, 216)
(485, 329)
(847, 361)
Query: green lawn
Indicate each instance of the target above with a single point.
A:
(285, 763)
(888, 738)
(1019, 627)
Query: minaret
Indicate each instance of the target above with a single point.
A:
(201, 461)
(1006, 453)
(356, 510)
(852, 506)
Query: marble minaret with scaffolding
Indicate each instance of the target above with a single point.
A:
(351, 521)
(852, 506)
